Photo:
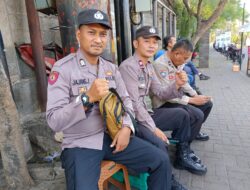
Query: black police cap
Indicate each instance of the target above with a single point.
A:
(93, 16)
(147, 31)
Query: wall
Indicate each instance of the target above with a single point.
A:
(204, 51)
(14, 27)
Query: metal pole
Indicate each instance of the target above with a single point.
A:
(170, 23)
(126, 29)
(155, 24)
(123, 29)
(174, 25)
(164, 21)
(37, 51)
(118, 31)
(242, 35)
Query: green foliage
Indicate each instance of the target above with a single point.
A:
(232, 12)
(186, 24)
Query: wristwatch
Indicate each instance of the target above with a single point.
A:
(85, 101)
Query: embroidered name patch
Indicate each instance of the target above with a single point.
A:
(80, 81)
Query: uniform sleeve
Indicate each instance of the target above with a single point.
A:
(63, 111)
(183, 100)
(122, 91)
(130, 78)
(189, 90)
(164, 92)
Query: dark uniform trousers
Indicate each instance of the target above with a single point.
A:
(82, 165)
(175, 119)
(197, 114)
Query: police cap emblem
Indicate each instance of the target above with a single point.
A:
(152, 30)
(98, 15)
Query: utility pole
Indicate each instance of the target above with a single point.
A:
(242, 34)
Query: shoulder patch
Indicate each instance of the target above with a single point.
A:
(53, 77)
(65, 60)
(163, 73)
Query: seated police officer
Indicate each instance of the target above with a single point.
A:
(196, 106)
(76, 84)
(139, 76)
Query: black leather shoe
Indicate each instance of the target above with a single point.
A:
(184, 161)
(202, 136)
(176, 185)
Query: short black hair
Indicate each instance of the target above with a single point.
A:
(183, 44)
(166, 40)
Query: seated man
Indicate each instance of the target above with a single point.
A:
(76, 84)
(140, 78)
(197, 106)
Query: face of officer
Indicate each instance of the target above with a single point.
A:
(92, 38)
(146, 47)
(179, 56)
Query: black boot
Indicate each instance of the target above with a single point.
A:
(176, 185)
(184, 161)
(194, 157)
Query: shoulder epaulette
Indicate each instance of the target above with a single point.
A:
(109, 60)
(64, 60)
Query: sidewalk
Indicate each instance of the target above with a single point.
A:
(227, 153)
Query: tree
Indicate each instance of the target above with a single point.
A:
(203, 23)
(11, 143)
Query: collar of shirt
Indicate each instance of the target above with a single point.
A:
(140, 63)
(171, 64)
(84, 64)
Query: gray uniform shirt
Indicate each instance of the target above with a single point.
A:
(70, 77)
(139, 80)
(166, 71)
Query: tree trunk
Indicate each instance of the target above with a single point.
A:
(201, 30)
(11, 143)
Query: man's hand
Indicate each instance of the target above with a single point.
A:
(161, 135)
(121, 139)
(98, 89)
(199, 100)
(180, 78)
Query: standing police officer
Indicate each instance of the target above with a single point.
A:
(76, 84)
(140, 78)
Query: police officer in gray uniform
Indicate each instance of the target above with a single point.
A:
(140, 78)
(76, 84)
